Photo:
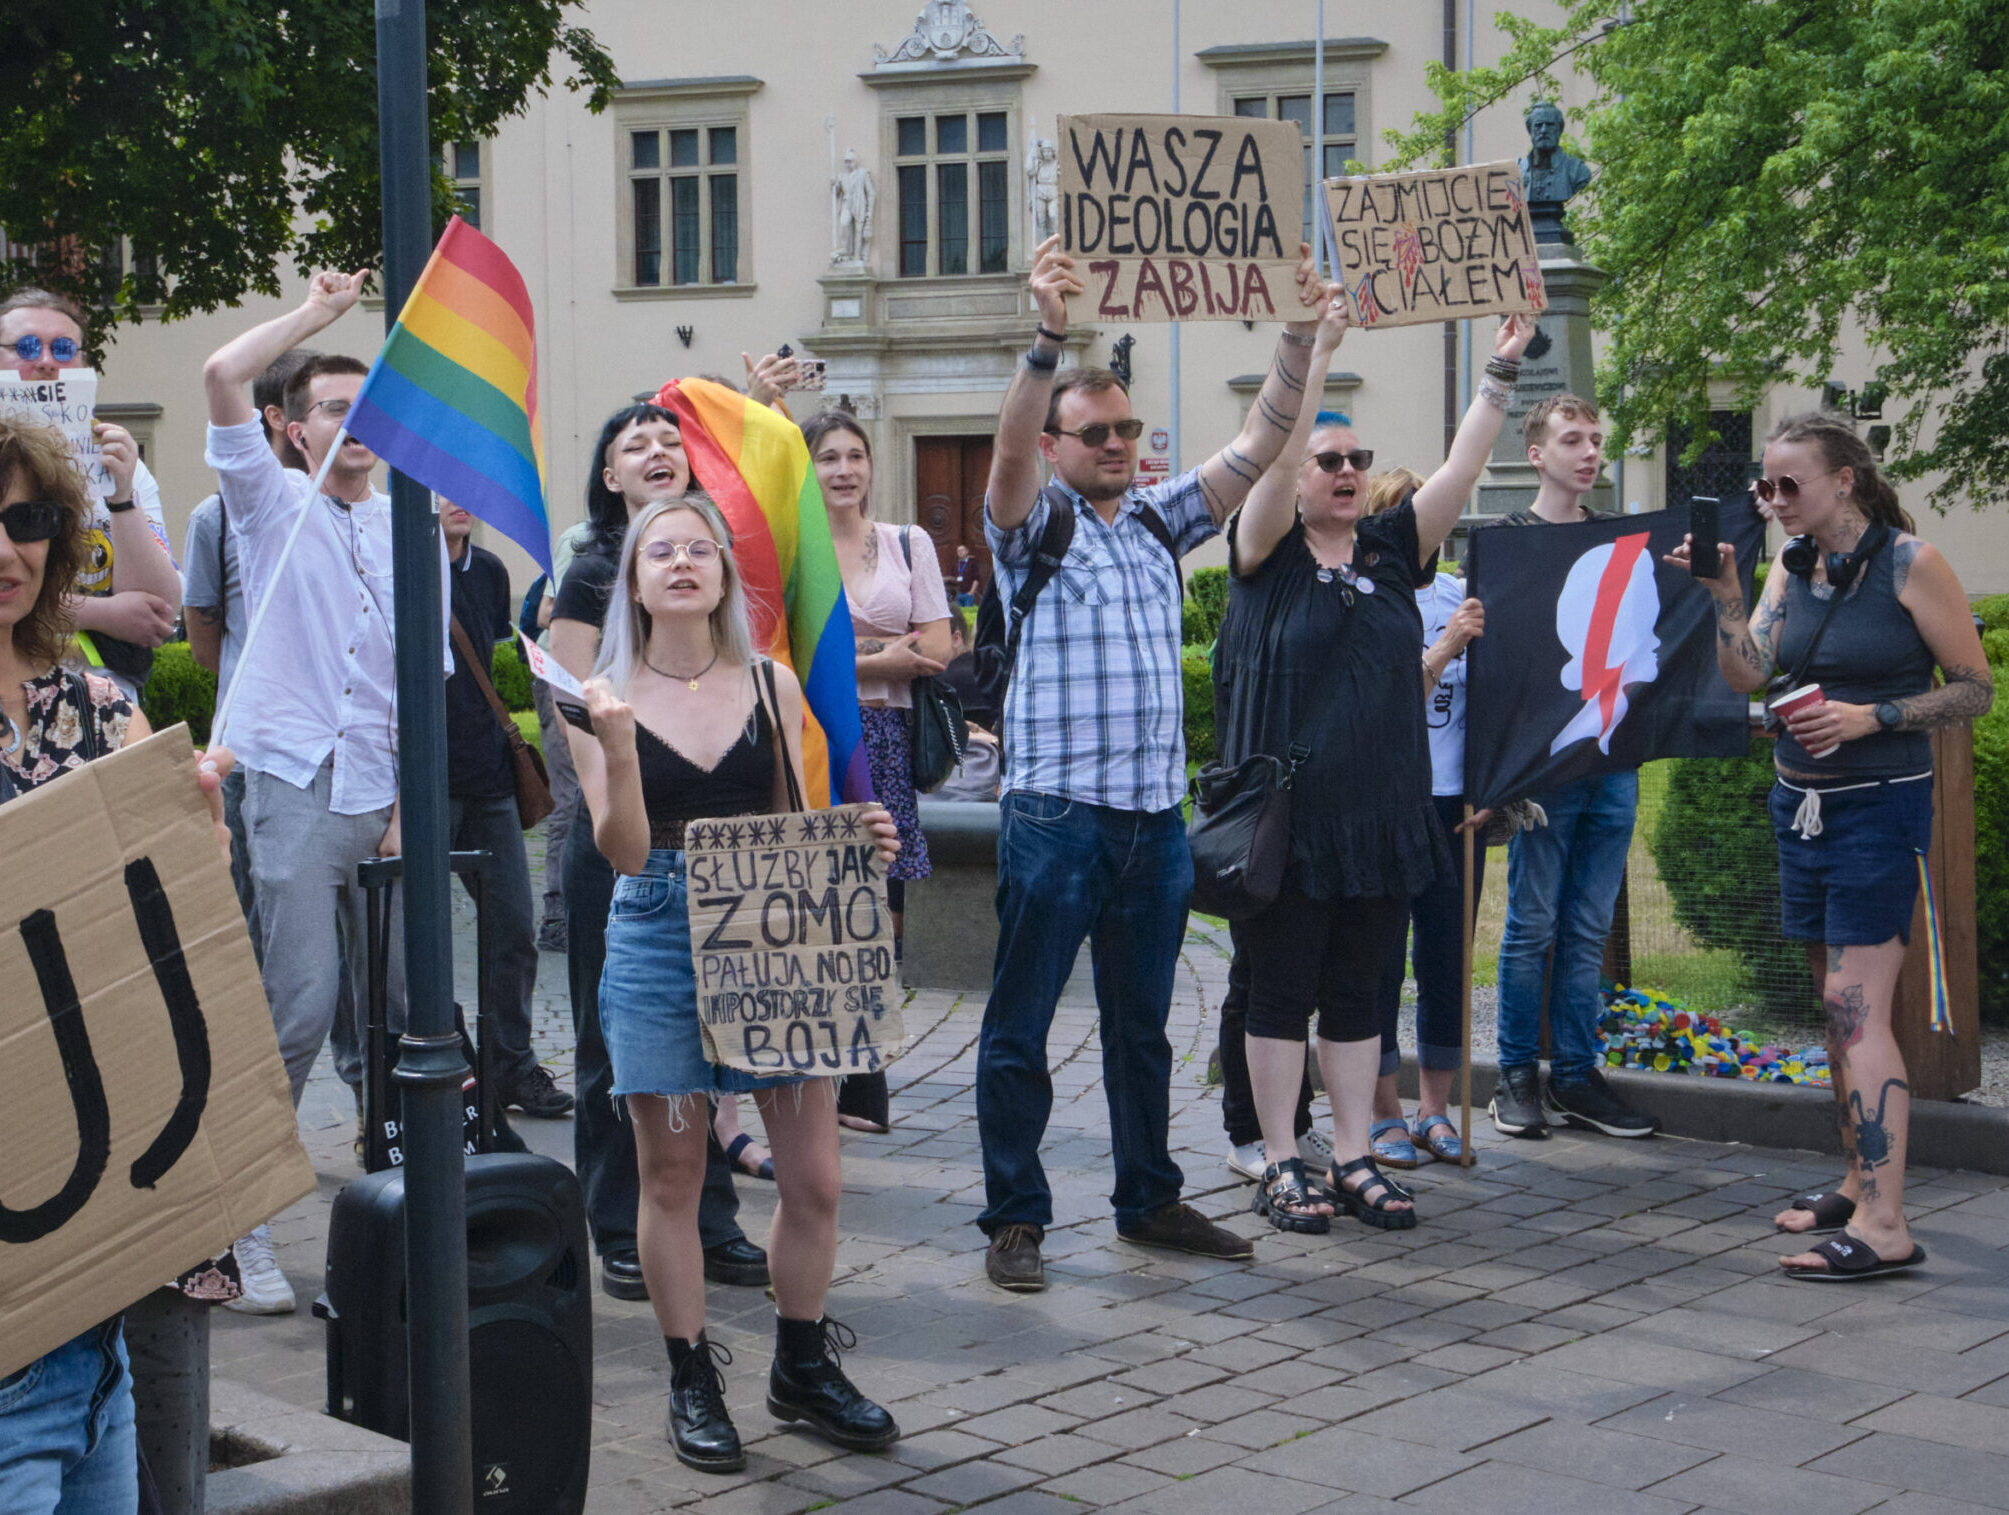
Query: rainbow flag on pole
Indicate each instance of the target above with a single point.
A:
(452, 399)
(755, 464)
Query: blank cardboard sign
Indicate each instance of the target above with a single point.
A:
(144, 1108)
(792, 943)
(1182, 218)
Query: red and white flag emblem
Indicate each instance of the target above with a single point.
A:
(1605, 617)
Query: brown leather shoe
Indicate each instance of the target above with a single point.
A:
(1181, 1228)
(1013, 1261)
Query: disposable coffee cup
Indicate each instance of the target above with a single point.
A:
(1806, 697)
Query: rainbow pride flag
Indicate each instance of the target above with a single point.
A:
(452, 399)
(755, 465)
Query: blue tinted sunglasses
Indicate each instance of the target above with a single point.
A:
(62, 349)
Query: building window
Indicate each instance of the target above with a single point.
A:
(953, 177)
(1341, 137)
(684, 189)
(463, 167)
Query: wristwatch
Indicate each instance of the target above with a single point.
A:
(120, 507)
(1888, 716)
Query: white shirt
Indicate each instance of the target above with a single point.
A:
(321, 677)
(1444, 711)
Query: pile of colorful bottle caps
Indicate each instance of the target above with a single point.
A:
(1645, 1030)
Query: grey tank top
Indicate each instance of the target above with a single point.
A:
(1871, 652)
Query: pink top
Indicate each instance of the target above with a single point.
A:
(895, 602)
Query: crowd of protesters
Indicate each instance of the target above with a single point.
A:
(1344, 645)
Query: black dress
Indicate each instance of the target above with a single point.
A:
(1362, 821)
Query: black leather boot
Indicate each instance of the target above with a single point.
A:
(806, 1384)
(700, 1429)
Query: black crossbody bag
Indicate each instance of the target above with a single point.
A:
(940, 731)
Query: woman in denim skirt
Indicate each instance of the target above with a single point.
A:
(1859, 607)
(688, 723)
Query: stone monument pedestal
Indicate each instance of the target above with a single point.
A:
(1558, 361)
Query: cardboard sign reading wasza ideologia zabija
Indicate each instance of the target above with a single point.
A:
(1182, 218)
(143, 1106)
(792, 943)
(1438, 245)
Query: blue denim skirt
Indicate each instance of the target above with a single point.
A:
(649, 992)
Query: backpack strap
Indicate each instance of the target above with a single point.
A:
(1155, 524)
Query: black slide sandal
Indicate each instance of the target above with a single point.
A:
(1850, 1259)
(739, 1144)
(1831, 1212)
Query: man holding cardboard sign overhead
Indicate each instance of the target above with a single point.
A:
(1092, 842)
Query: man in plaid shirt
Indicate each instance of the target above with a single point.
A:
(1091, 842)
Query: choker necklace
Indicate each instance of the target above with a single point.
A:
(678, 677)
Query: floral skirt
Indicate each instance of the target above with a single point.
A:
(889, 748)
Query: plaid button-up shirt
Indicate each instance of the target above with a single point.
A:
(1096, 707)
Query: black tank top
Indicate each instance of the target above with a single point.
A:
(676, 790)
(1870, 652)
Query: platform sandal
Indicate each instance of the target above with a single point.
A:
(1284, 1198)
(1384, 1190)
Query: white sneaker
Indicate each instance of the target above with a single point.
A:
(1246, 1158)
(266, 1291)
(1315, 1147)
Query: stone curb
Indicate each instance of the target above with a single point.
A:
(1944, 1133)
(307, 1463)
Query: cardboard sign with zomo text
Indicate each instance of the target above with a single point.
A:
(792, 943)
(69, 403)
(1182, 218)
(144, 1108)
(1438, 245)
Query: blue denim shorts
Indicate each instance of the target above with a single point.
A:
(1854, 880)
(649, 992)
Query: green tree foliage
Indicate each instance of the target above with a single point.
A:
(1768, 172)
(510, 677)
(1196, 670)
(1206, 603)
(179, 689)
(221, 136)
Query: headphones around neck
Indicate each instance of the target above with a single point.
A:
(1800, 554)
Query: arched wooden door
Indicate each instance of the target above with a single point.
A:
(949, 478)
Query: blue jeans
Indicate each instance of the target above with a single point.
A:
(1562, 884)
(1069, 870)
(67, 1445)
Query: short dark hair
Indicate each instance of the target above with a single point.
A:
(606, 510)
(30, 298)
(1535, 424)
(820, 425)
(294, 391)
(268, 390)
(1088, 381)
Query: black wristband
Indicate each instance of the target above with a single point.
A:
(120, 507)
(1034, 361)
(1052, 336)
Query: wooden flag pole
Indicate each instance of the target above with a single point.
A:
(1467, 1157)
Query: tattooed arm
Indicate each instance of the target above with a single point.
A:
(1926, 586)
(1227, 477)
(1272, 504)
(1747, 641)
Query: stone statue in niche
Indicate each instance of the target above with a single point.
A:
(1042, 187)
(854, 195)
(1550, 175)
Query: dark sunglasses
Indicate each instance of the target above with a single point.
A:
(1362, 459)
(1097, 432)
(32, 520)
(62, 349)
(1785, 487)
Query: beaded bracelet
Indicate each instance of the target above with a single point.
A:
(1493, 392)
(1507, 370)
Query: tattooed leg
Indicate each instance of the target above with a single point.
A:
(1820, 961)
(1874, 1099)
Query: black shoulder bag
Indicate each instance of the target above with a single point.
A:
(1240, 831)
(940, 731)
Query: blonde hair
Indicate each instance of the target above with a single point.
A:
(1388, 489)
(629, 623)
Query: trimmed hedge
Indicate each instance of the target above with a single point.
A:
(510, 677)
(1206, 603)
(1196, 667)
(1991, 820)
(179, 690)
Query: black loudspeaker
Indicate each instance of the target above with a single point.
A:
(530, 1325)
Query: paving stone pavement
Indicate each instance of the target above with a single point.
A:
(1578, 1325)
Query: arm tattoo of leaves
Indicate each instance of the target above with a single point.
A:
(1902, 557)
(871, 645)
(1967, 692)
